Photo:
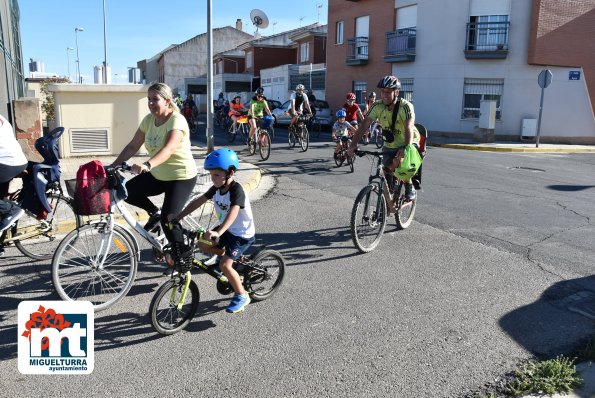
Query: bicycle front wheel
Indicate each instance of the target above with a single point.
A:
(169, 314)
(368, 218)
(42, 237)
(305, 139)
(231, 134)
(265, 276)
(339, 158)
(264, 145)
(93, 265)
(350, 160)
(252, 145)
(291, 138)
(378, 136)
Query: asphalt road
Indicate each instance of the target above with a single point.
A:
(483, 279)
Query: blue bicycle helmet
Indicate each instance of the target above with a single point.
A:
(224, 159)
(341, 113)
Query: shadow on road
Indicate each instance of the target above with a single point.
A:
(570, 188)
(555, 323)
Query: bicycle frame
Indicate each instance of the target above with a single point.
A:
(379, 178)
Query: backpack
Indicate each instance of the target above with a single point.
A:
(92, 195)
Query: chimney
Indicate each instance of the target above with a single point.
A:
(238, 24)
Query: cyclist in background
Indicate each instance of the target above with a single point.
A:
(236, 109)
(342, 131)
(236, 230)
(298, 102)
(397, 131)
(353, 112)
(370, 102)
(258, 105)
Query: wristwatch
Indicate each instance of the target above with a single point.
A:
(148, 165)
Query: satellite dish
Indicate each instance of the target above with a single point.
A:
(259, 19)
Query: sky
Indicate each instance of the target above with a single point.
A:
(138, 29)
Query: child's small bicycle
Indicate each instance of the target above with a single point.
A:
(342, 156)
(175, 303)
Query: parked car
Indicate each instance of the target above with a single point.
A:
(323, 113)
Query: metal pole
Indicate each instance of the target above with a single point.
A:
(68, 50)
(210, 143)
(539, 119)
(104, 47)
(78, 60)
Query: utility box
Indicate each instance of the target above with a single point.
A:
(528, 129)
(487, 114)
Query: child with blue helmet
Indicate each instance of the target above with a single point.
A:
(236, 230)
(342, 130)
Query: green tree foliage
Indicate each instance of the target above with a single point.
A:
(47, 100)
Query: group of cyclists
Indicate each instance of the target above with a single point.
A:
(393, 114)
(171, 169)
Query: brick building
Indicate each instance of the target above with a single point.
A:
(451, 56)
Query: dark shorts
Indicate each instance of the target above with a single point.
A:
(234, 245)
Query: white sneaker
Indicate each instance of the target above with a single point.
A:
(11, 217)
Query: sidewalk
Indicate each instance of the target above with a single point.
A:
(503, 146)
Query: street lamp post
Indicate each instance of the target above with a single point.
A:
(78, 61)
(68, 50)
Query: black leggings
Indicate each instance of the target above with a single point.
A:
(7, 173)
(176, 192)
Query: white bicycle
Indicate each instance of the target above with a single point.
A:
(98, 261)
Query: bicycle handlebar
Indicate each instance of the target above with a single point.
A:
(124, 166)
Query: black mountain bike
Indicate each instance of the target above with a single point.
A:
(176, 301)
(299, 133)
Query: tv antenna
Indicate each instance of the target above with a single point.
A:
(318, 7)
(301, 19)
(259, 19)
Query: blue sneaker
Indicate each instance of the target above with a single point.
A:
(238, 303)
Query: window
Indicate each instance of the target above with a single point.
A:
(339, 33)
(406, 89)
(481, 89)
(304, 52)
(360, 88)
(249, 59)
(488, 32)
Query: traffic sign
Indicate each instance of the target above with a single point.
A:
(545, 78)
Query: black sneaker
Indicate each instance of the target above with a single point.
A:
(9, 218)
(409, 192)
(153, 222)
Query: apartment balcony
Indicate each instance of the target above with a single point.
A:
(400, 45)
(487, 40)
(357, 51)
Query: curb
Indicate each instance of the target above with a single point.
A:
(471, 147)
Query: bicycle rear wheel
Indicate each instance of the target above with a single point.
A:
(91, 265)
(405, 210)
(368, 218)
(305, 138)
(167, 315)
(45, 235)
(264, 145)
(266, 276)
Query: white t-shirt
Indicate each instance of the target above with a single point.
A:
(243, 225)
(298, 107)
(11, 153)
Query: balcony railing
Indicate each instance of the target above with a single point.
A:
(487, 40)
(400, 45)
(357, 51)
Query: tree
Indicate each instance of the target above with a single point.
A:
(47, 97)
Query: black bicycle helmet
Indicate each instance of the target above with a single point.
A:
(389, 82)
(259, 91)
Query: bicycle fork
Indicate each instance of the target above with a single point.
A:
(180, 303)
